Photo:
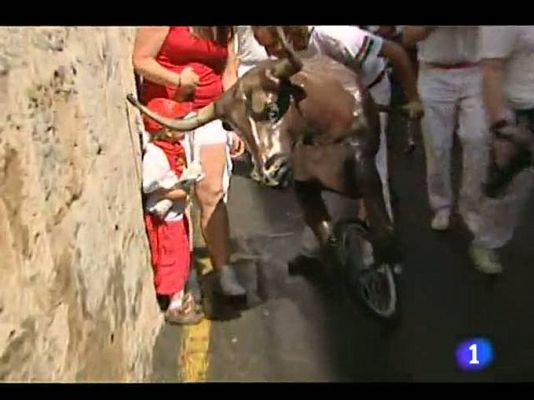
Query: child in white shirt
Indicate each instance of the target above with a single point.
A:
(164, 162)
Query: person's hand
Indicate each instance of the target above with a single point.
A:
(509, 139)
(414, 109)
(177, 136)
(187, 84)
(237, 145)
(192, 174)
(188, 78)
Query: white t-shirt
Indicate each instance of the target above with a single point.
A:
(514, 44)
(249, 51)
(349, 45)
(450, 45)
(157, 174)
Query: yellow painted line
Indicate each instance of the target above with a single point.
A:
(193, 360)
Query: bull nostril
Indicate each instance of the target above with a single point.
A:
(278, 160)
(285, 176)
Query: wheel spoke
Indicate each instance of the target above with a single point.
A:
(376, 290)
(374, 285)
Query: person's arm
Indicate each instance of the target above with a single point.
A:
(355, 47)
(158, 180)
(496, 46)
(492, 89)
(171, 194)
(229, 76)
(385, 31)
(402, 68)
(147, 45)
(413, 34)
(148, 42)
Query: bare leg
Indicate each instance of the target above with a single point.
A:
(315, 212)
(318, 221)
(339, 207)
(382, 230)
(214, 216)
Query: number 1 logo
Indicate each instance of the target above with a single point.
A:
(473, 360)
(474, 354)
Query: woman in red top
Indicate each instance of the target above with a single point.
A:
(196, 64)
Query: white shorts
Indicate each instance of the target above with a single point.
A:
(210, 134)
(244, 68)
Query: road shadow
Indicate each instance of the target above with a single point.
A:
(444, 299)
(165, 357)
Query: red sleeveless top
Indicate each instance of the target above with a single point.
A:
(181, 49)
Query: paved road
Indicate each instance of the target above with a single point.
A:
(296, 330)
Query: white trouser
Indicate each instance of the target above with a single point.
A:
(381, 94)
(452, 98)
(338, 207)
(500, 217)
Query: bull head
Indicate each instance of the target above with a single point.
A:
(254, 107)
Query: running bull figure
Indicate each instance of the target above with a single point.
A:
(311, 120)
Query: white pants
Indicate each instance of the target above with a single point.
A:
(500, 217)
(243, 68)
(453, 99)
(339, 207)
(381, 94)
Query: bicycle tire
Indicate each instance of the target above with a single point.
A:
(357, 277)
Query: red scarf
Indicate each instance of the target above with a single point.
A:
(175, 155)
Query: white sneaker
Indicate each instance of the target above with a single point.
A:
(485, 260)
(441, 220)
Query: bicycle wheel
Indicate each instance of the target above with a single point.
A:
(373, 285)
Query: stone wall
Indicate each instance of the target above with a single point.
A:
(76, 294)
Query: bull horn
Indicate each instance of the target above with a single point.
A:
(204, 115)
(290, 65)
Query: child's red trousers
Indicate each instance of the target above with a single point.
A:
(171, 258)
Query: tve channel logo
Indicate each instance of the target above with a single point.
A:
(474, 354)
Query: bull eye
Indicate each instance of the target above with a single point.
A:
(273, 112)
